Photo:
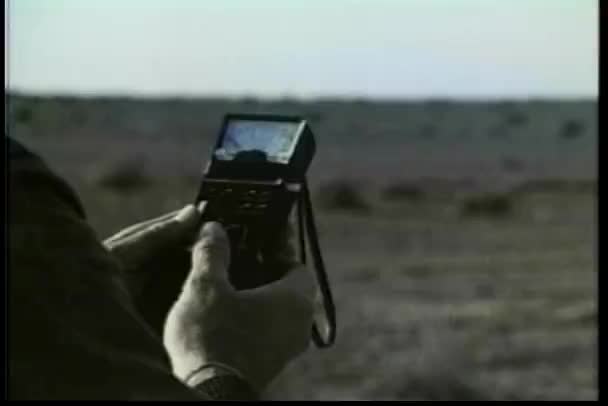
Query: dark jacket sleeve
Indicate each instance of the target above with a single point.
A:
(72, 329)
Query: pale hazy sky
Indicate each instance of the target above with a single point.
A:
(305, 48)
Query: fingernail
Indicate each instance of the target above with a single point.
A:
(201, 206)
(186, 213)
(212, 230)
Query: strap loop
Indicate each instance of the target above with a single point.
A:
(306, 225)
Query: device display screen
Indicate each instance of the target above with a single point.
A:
(272, 141)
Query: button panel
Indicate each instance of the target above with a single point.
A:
(243, 200)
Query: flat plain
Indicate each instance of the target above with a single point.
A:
(460, 237)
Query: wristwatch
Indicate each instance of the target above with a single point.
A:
(221, 382)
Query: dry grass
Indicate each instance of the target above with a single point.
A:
(431, 304)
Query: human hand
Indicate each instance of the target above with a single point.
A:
(154, 256)
(257, 331)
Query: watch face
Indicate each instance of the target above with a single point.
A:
(265, 140)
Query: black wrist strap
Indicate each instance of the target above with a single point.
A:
(306, 225)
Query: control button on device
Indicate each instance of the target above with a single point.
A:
(294, 187)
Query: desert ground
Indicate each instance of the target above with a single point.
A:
(460, 237)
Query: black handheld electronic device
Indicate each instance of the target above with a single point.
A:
(255, 177)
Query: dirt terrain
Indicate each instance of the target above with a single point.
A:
(460, 238)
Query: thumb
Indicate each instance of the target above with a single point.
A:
(210, 260)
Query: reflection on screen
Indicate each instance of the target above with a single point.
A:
(274, 139)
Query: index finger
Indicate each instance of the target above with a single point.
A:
(124, 233)
(157, 235)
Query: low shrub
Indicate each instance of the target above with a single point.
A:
(487, 205)
(403, 191)
(125, 177)
(342, 195)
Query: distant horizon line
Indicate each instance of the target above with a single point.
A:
(291, 97)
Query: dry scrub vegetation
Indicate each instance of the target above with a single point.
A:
(459, 237)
